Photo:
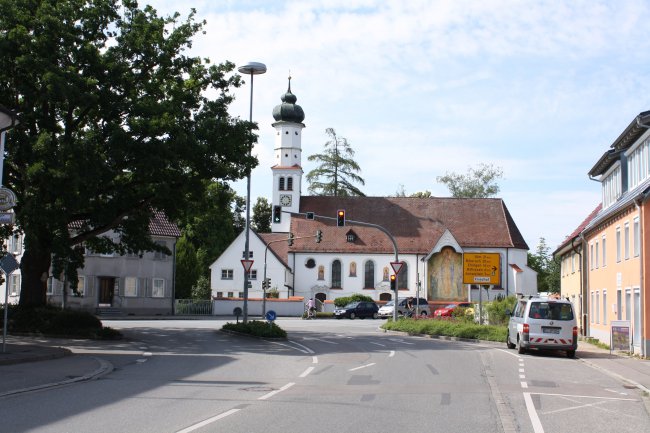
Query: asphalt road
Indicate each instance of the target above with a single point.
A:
(329, 376)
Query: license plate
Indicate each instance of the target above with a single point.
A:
(547, 330)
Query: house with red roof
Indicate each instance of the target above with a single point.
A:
(429, 236)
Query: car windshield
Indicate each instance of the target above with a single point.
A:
(352, 305)
(451, 306)
(389, 304)
(551, 311)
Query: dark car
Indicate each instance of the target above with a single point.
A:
(358, 309)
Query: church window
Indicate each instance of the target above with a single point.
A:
(310, 263)
(281, 184)
(336, 273)
(403, 277)
(290, 184)
(369, 275)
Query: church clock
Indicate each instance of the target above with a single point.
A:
(285, 200)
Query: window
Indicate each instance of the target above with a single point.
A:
(626, 240)
(612, 187)
(597, 256)
(252, 274)
(14, 285)
(604, 307)
(369, 275)
(15, 244)
(219, 294)
(336, 273)
(604, 251)
(591, 256)
(160, 255)
(637, 237)
(592, 308)
(290, 184)
(618, 244)
(226, 274)
(573, 262)
(131, 286)
(597, 313)
(158, 288)
(281, 187)
(50, 286)
(241, 294)
(81, 286)
(637, 163)
(230, 295)
(403, 277)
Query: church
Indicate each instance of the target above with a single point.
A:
(313, 252)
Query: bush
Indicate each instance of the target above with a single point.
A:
(451, 328)
(256, 328)
(345, 300)
(57, 322)
(497, 309)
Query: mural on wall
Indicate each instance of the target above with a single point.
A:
(353, 269)
(446, 276)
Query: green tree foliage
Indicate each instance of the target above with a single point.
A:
(477, 183)
(548, 268)
(201, 290)
(337, 170)
(401, 192)
(114, 124)
(261, 219)
(188, 269)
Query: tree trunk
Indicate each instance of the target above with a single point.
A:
(35, 269)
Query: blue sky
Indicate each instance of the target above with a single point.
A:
(422, 88)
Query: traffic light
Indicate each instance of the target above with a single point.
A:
(290, 239)
(319, 236)
(393, 282)
(340, 218)
(277, 214)
(266, 284)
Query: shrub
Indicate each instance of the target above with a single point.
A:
(451, 328)
(345, 300)
(497, 309)
(256, 328)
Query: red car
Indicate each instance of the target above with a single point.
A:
(448, 310)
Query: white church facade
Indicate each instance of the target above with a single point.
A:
(431, 235)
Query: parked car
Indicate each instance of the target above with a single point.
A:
(358, 309)
(422, 306)
(448, 310)
(387, 309)
(543, 323)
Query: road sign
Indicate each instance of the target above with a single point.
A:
(247, 264)
(270, 315)
(8, 263)
(482, 268)
(7, 217)
(397, 266)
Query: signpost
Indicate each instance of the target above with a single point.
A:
(620, 335)
(8, 264)
(481, 269)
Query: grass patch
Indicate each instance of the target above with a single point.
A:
(256, 328)
(596, 343)
(450, 328)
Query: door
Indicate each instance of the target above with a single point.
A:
(106, 288)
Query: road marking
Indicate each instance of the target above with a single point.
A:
(398, 340)
(509, 353)
(141, 360)
(363, 366)
(532, 413)
(586, 396)
(303, 349)
(391, 354)
(147, 354)
(314, 359)
(303, 346)
(377, 344)
(319, 339)
(208, 421)
(522, 376)
(272, 393)
(524, 385)
(521, 370)
(306, 372)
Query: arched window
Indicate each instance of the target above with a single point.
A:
(290, 184)
(336, 273)
(281, 184)
(403, 277)
(369, 275)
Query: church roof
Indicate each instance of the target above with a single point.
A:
(288, 111)
(415, 223)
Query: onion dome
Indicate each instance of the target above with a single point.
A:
(288, 111)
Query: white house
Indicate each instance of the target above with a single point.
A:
(431, 235)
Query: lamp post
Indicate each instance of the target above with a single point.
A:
(251, 68)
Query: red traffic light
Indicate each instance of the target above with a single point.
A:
(340, 218)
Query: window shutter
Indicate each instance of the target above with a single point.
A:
(143, 288)
(90, 285)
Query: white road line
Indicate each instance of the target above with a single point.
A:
(306, 372)
(272, 393)
(586, 396)
(147, 354)
(314, 359)
(521, 370)
(391, 354)
(522, 376)
(532, 413)
(509, 353)
(303, 350)
(208, 421)
(363, 366)
(303, 346)
(377, 344)
(524, 385)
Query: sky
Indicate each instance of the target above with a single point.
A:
(424, 88)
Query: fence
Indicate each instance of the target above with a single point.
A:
(192, 307)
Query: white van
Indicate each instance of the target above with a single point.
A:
(543, 323)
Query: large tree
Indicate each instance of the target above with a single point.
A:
(261, 220)
(337, 170)
(547, 267)
(477, 183)
(114, 125)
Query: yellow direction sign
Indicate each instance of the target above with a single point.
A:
(482, 268)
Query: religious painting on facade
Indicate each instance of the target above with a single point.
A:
(321, 272)
(353, 269)
(446, 276)
(385, 275)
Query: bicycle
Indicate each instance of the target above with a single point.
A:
(310, 313)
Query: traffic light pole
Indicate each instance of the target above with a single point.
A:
(312, 215)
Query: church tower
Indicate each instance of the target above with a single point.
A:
(287, 171)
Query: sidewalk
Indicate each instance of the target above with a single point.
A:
(26, 367)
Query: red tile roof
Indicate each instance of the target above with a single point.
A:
(159, 225)
(581, 227)
(416, 224)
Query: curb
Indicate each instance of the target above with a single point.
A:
(55, 353)
(104, 368)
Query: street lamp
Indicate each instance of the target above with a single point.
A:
(251, 68)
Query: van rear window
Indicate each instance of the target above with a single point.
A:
(550, 311)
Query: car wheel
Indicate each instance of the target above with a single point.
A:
(508, 343)
(352, 316)
(424, 314)
(520, 348)
(571, 353)
(375, 315)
